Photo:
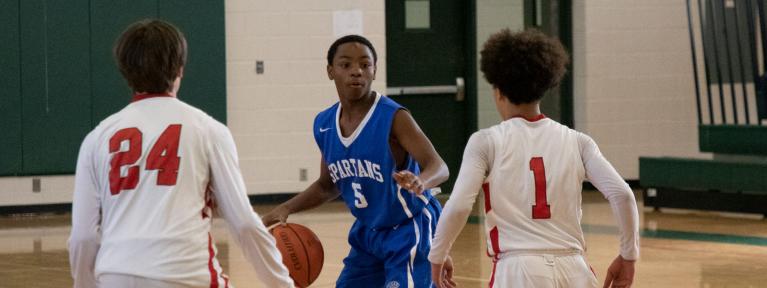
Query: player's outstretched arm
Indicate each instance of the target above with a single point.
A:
(227, 184)
(474, 168)
(85, 240)
(320, 191)
(434, 170)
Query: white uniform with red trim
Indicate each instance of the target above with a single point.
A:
(532, 172)
(142, 200)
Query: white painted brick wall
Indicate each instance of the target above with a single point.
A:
(634, 90)
(271, 114)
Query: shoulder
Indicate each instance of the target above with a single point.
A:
(200, 118)
(386, 102)
(195, 112)
(328, 113)
(90, 141)
(498, 131)
(583, 138)
(586, 144)
(480, 141)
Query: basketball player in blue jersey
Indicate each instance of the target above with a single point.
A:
(379, 161)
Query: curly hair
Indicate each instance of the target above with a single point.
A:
(523, 65)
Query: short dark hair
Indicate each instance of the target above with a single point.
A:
(150, 54)
(523, 65)
(347, 39)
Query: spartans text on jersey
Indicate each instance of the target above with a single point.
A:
(355, 168)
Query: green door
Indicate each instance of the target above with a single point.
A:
(429, 54)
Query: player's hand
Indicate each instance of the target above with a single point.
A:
(620, 274)
(442, 274)
(278, 215)
(409, 181)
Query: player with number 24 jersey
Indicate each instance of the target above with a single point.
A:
(146, 182)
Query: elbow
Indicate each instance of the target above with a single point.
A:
(243, 230)
(78, 241)
(628, 197)
(444, 172)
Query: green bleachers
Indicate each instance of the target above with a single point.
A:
(736, 182)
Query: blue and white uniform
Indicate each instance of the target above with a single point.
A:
(391, 237)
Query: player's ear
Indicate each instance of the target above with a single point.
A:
(330, 72)
(181, 72)
(497, 96)
(375, 68)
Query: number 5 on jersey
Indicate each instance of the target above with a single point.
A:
(162, 157)
(359, 201)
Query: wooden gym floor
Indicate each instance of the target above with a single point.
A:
(679, 248)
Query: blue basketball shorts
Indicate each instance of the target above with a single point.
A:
(392, 257)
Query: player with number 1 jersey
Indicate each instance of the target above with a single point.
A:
(531, 169)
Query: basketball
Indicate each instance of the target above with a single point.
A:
(301, 252)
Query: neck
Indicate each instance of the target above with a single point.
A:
(360, 105)
(527, 110)
(144, 94)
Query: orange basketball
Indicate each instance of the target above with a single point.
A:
(301, 252)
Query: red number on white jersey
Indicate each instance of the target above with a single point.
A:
(541, 208)
(163, 157)
(123, 158)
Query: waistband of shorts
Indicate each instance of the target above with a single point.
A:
(405, 222)
(538, 252)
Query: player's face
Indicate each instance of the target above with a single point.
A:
(353, 70)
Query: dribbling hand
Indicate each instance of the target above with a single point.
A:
(409, 181)
(278, 215)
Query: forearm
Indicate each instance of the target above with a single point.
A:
(82, 259)
(259, 249)
(434, 174)
(450, 224)
(85, 238)
(625, 211)
(315, 195)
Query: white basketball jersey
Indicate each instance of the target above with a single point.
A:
(531, 172)
(533, 189)
(152, 165)
(145, 180)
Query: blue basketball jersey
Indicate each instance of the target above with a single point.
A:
(362, 165)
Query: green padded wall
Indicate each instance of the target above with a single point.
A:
(59, 78)
(108, 20)
(55, 83)
(204, 82)
(733, 139)
(10, 99)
